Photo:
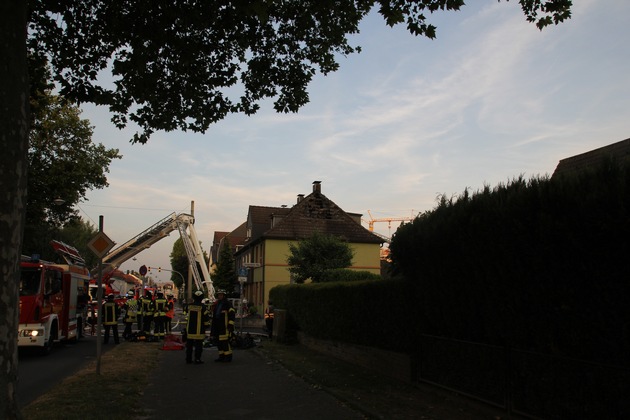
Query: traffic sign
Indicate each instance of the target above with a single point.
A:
(100, 244)
(143, 270)
(251, 265)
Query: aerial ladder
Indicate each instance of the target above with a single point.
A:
(182, 222)
(185, 225)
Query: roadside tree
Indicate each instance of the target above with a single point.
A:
(225, 276)
(179, 263)
(312, 257)
(78, 232)
(64, 163)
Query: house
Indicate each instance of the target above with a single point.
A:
(591, 159)
(235, 238)
(270, 230)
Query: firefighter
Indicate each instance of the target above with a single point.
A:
(148, 309)
(269, 310)
(206, 303)
(170, 313)
(160, 315)
(111, 312)
(197, 320)
(139, 314)
(222, 329)
(131, 312)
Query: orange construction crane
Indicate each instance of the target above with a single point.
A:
(389, 220)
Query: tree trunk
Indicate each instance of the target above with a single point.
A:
(14, 125)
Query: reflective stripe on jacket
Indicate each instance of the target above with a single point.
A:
(109, 309)
(147, 307)
(223, 315)
(196, 323)
(160, 306)
(269, 312)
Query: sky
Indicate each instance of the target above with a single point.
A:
(405, 121)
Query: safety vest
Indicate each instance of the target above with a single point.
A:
(109, 309)
(196, 323)
(131, 310)
(269, 312)
(171, 309)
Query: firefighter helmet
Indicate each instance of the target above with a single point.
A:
(130, 293)
(198, 293)
(220, 291)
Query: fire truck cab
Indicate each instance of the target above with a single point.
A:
(53, 299)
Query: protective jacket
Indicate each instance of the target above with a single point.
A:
(111, 312)
(161, 307)
(131, 310)
(148, 306)
(223, 316)
(269, 310)
(197, 319)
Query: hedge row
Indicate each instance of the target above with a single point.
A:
(540, 265)
(370, 313)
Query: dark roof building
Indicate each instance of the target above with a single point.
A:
(271, 230)
(590, 160)
(313, 213)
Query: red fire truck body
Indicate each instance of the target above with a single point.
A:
(53, 299)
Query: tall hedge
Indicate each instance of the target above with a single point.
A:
(539, 264)
(370, 313)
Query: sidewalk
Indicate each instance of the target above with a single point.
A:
(249, 387)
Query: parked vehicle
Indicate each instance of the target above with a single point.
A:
(53, 298)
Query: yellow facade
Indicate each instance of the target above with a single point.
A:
(273, 271)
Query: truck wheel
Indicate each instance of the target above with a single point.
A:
(51, 340)
(79, 329)
(47, 348)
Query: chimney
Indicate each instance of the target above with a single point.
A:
(300, 197)
(317, 186)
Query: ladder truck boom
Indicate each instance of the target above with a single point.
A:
(184, 223)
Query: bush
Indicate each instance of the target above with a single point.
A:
(370, 313)
(344, 274)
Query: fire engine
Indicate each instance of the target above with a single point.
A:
(53, 298)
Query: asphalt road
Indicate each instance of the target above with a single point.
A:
(38, 374)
